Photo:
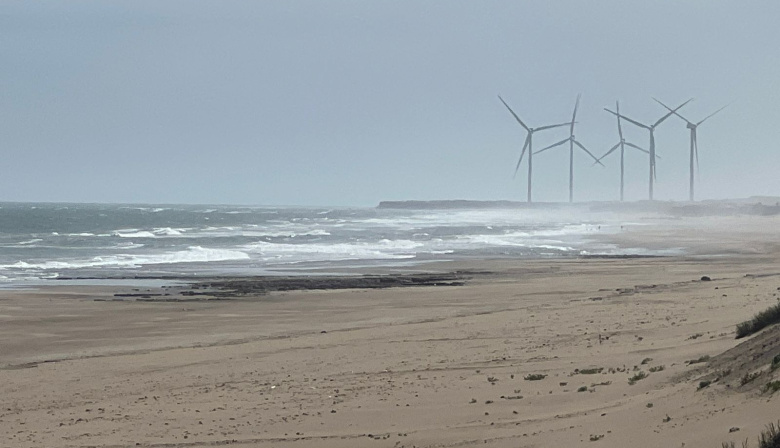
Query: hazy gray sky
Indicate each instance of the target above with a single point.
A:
(353, 102)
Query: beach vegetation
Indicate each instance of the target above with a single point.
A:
(592, 371)
(657, 368)
(760, 321)
(769, 438)
(775, 362)
(637, 377)
(535, 377)
(772, 386)
(582, 389)
(749, 378)
(646, 360)
(699, 360)
(703, 384)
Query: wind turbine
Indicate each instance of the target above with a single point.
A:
(528, 145)
(622, 145)
(651, 129)
(694, 140)
(572, 141)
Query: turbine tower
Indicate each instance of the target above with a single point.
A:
(622, 145)
(694, 140)
(572, 141)
(528, 145)
(651, 129)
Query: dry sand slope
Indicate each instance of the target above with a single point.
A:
(423, 366)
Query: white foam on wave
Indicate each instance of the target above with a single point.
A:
(380, 250)
(194, 254)
(137, 234)
(28, 242)
(154, 233)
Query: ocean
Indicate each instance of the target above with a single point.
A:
(40, 242)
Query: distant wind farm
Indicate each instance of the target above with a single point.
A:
(622, 144)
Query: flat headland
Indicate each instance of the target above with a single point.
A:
(577, 351)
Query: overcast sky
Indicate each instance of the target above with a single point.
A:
(353, 102)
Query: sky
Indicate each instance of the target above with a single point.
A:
(347, 103)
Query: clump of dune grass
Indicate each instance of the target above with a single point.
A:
(772, 386)
(760, 321)
(638, 376)
(769, 438)
(699, 360)
(591, 371)
(535, 377)
(775, 362)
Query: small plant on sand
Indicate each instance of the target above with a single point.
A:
(657, 369)
(535, 377)
(638, 376)
(582, 389)
(646, 360)
(699, 360)
(592, 371)
(769, 438)
(749, 378)
(760, 321)
(775, 362)
(704, 384)
(596, 438)
(772, 387)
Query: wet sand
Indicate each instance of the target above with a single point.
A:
(446, 363)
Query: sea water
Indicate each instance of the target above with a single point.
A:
(46, 241)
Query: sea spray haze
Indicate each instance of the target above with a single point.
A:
(44, 241)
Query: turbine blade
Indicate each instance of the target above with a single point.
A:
(589, 153)
(611, 150)
(636, 123)
(710, 115)
(522, 153)
(637, 147)
(620, 128)
(553, 145)
(671, 111)
(574, 115)
(542, 128)
(514, 114)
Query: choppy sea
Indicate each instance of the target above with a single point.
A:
(47, 241)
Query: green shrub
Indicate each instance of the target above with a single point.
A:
(535, 377)
(775, 362)
(582, 389)
(769, 438)
(704, 384)
(760, 321)
(772, 386)
(589, 371)
(657, 368)
(639, 376)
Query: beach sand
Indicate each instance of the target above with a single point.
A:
(422, 366)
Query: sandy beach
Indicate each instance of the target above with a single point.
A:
(586, 351)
